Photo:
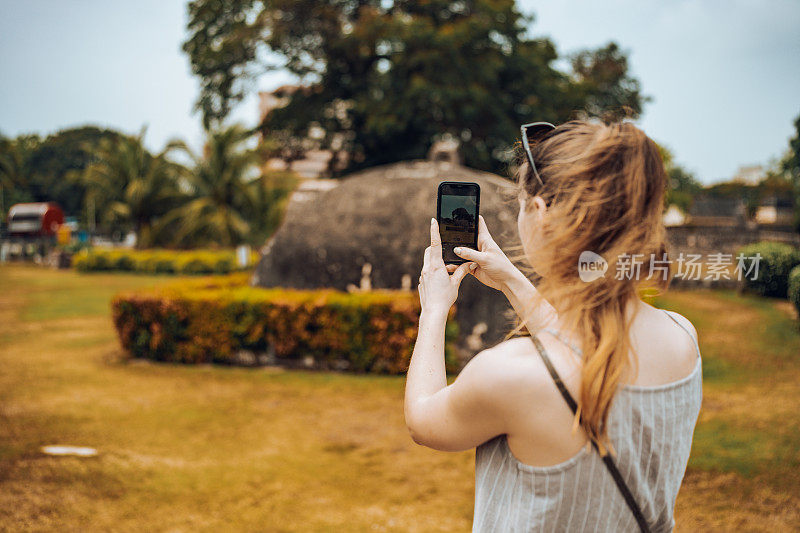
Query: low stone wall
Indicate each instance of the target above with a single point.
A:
(707, 240)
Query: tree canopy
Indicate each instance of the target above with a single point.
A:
(130, 187)
(228, 199)
(384, 79)
(683, 186)
(37, 169)
(791, 162)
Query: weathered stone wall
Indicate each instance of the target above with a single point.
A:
(706, 240)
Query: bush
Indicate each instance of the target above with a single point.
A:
(209, 321)
(159, 261)
(86, 261)
(79, 261)
(121, 261)
(794, 288)
(777, 259)
(194, 265)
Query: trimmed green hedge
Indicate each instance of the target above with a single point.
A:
(212, 321)
(777, 259)
(158, 261)
(794, 287)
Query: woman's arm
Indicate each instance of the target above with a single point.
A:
(464, 414)
(438, 291)
(526, 301)
(476, 407)
(426, 372)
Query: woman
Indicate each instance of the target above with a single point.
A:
(633, 370)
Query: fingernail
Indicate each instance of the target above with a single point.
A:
(472, 267)
(457, 249)
(433, 221)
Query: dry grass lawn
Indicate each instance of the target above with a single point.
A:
(208, 449)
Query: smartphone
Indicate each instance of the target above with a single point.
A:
(457, 206)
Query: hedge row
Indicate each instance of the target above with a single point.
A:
(214, 321)
(777, 260)
(794, 288)
(159, 261)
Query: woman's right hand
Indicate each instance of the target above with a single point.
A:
(494, 269)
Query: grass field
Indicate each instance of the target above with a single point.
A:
(209, 449)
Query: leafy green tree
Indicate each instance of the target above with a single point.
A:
(682, 185)
(604, 85)
(131, 188)
(385, 79)
(59, 155)
(272, 198)
(791, 163)
(14, 171)
(791, 168)
(228, 201)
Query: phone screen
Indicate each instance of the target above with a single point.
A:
(457, 214)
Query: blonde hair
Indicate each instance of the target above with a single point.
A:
(604, 186)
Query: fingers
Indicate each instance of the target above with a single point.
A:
(436, 246)
(426, 259)
(460, 272)
(469, 254)
(482, 228)
(453, 267)
(436, 239)
(484, 237)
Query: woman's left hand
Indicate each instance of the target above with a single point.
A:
(438, 289)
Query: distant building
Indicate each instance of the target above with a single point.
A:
(310, 163)
(267, 101)
(776, 210)
(712, 211)
(446, 151)
(749, 174)
(674, 216)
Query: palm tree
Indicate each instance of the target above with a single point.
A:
(14, 156)
(226, 196)
(130, 187)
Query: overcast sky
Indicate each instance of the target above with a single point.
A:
(724, 74)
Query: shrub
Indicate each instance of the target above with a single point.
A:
(794, 288)
(159, 261)
(194, 265)
(86, 261)
(223, 265)
(80, 260)
(777, 259)
(121, 262)
(209, 321)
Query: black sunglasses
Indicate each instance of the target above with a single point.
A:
(534, 132)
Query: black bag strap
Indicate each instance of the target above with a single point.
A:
(612, 468)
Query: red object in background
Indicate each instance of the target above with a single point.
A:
(40, 219)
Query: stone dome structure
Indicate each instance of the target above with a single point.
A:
(370, 230)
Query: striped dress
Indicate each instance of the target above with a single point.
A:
(651, 429)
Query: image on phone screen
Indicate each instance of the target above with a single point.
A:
(458, 217)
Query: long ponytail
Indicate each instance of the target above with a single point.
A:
(605, 186)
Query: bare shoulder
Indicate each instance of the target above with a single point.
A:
(683, 321)
(506, 371)
(666, 344)
(507, 359)
(501, 362)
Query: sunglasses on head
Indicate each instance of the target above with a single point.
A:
(534, 133)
